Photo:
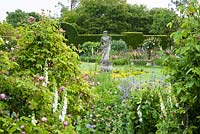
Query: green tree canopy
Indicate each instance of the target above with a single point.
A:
(19, 17)
(161, 18)
(116, 16)
(95, 16)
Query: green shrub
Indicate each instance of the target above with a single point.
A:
(90, 58)
(164, 40)
(8, 34)
(120, 61)
(7, 31)
(151, 43)
(90, 48)
(1, 41)
(118, 45)
(183, 66)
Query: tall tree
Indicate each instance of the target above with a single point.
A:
(18, 17)
(116, 16)
(139, 18)
(161, 18)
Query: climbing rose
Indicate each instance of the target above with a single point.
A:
(41, 78)
(65, 123)
(62, 88)
(2, 96)
(44, 119)
(22, 126)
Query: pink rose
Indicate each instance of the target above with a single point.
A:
(65, 123)
(44, 119)
(2, 96)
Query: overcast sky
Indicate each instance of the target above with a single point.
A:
(37, 5)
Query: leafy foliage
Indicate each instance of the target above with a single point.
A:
(118, 45)
(38, 74)
(183, 66)
(91, 48)
(116, 16)
(19, 17)
(161, 19)
(1, 41)
(151, 43)
(70, 33)
(126, 106)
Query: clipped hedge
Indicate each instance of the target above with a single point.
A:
(132, 39)
(88, 37)
(70, 32)
(96, 37)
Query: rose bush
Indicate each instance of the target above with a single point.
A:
(30, 77)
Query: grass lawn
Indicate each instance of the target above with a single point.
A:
(149, 71)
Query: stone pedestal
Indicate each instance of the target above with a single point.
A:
(106, 66)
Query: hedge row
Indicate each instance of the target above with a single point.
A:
(96, 37)
(133, 39)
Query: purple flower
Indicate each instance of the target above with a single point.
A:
(2, 96)
(65, 123)
(22, 126)
(23, 132)
(44, 119)
(62, 88)
(41, 78)
(88, 126)
(81, 94)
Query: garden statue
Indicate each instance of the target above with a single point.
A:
(106, 45)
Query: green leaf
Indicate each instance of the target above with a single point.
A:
(197, 70)
(197, 48)
(170, 24)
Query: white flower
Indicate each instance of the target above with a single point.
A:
(46, 75)
(64, 110)
(33, 120)
(139, 113)
(162, 106)
(55, 104)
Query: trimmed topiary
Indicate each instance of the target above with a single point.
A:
(70, 33)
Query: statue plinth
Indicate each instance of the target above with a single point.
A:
(106, 66)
